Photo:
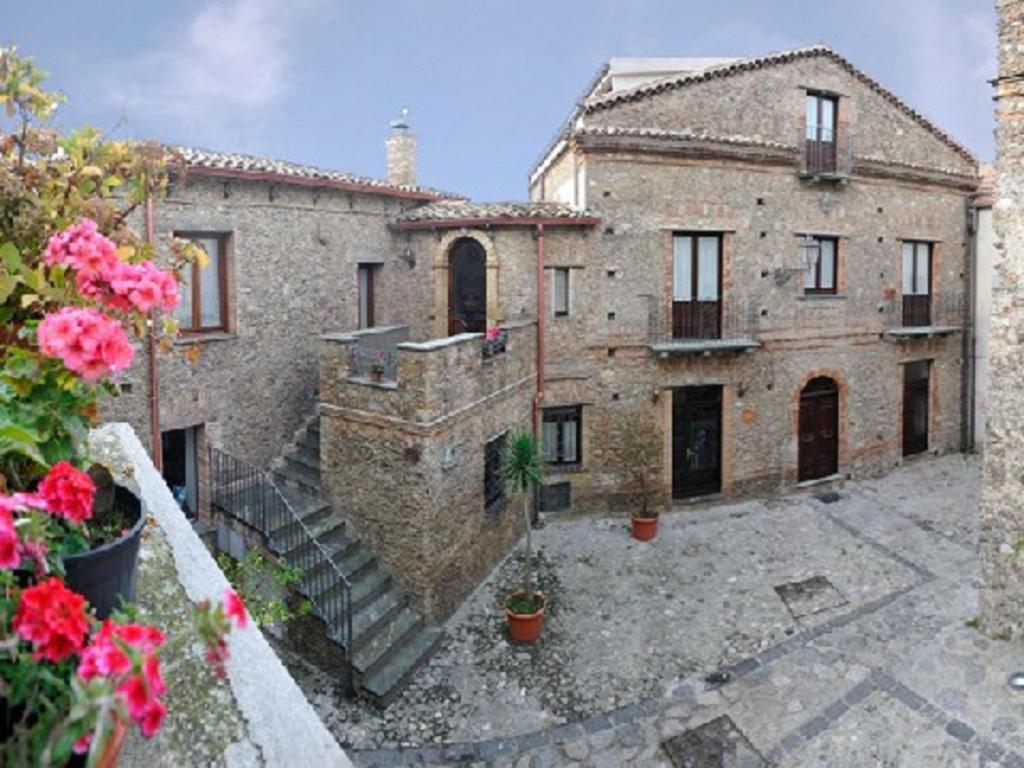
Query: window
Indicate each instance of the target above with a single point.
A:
(560, 295)
(821, 110)
(696, 286)
(494, 483)
(917, 271)
(820, 276)
(561, 435)
(367, 288)
(203, 293)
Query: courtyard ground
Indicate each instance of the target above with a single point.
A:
(796, 631)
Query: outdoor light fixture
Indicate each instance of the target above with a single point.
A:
(811, 248)
(1016, 681)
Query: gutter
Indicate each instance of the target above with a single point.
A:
(156, 443)
(484, 222)
(309, 181)
(538, 398)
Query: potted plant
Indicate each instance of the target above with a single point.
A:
(74, 283)
(522, 470)
(640, 461)
(377, 372)
(494, 342)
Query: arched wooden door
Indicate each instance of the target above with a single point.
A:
(467, 287)
(819, 429)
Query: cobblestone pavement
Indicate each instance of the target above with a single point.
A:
(868, 658)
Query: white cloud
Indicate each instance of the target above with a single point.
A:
(231, 66)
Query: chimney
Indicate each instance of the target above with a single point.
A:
(401, 145)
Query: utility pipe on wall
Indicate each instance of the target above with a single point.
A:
(156, 446)
(539, 395)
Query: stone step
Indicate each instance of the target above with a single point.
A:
(383, 685)
(329, 532)
(353, 561)
(296, 474)
(306, 454)
(388, 640)
(369, 586)
(372, 616)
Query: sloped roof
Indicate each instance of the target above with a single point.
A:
(739, 66)
(240, 165)
(503, 212)
(662, 133)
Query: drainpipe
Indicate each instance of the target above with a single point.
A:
(156, 446)
(539, 394)
(967, 336)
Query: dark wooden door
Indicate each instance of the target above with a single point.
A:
(696, 441)
(819, 430)
(467, 287)
(915, 408)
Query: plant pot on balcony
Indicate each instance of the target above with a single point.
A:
(107, 572)
(525, 618)
(376, 375)
(645, 528)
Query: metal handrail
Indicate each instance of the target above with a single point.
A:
(248, 494)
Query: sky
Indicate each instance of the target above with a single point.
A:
(487, 83)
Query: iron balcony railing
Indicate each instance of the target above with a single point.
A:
(941, 309)
(248, 494)
(737, 318)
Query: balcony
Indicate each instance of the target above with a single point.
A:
(924, 316)
(826, 161)
(703, 328)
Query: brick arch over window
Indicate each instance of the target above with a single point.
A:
(793, 450)
(442, 251)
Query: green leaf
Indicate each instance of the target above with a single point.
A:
(10, 256)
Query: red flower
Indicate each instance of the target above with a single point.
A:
(216, 655)
(234, 608)
(81, 746)
(104, 657)
(52, 618)
(9, 557)
(68, 492)
(152, 718)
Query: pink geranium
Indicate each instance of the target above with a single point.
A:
(234, 608)
(89, 343)
(82, 247)
(9, 555)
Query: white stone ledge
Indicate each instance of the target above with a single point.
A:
(279, 719)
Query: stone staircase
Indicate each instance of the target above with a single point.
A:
(390, 639)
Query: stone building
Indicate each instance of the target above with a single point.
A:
(732, 276)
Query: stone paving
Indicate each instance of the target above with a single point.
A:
(834, 634)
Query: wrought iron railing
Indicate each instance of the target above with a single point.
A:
(945, 308)
(248, 494)
(739, 317)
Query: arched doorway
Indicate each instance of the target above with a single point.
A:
(819, 429)
(467, 287)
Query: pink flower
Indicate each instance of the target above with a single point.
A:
(493, 333)
(81, 247)
(87, 341)
(234, 608)
(81, 746)
(68, 492)
(143, 287)
(9, 555)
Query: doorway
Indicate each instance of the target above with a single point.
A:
(819, 429)
(181, 471)
(916, 379)
(467, 287)
(696, 441)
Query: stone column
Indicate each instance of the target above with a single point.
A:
(401, 150)
(1002, 496)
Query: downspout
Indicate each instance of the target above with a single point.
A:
(967, 351)
(538, 396)
(156, 445)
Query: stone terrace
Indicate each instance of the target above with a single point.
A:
(868, 659)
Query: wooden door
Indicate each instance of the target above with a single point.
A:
(696, 441)
(915, 407)
(467, 287)
(819, 430)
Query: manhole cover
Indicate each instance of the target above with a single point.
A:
(716, 744)
(810, 596)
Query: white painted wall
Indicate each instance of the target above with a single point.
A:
(985, 245)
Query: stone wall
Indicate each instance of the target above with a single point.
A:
(403, 460)
(292, 262)
(1002, 519)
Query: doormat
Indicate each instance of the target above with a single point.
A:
(716, 744)
(810, 596)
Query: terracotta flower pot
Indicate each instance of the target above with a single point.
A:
(645, 528)
(525, 627)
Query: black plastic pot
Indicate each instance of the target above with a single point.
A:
(106, 574)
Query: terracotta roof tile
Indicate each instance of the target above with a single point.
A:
(441, 210)
(282, 170)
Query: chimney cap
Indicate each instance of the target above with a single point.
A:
(401, 122)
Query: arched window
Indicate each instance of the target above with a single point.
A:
(467, 287)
